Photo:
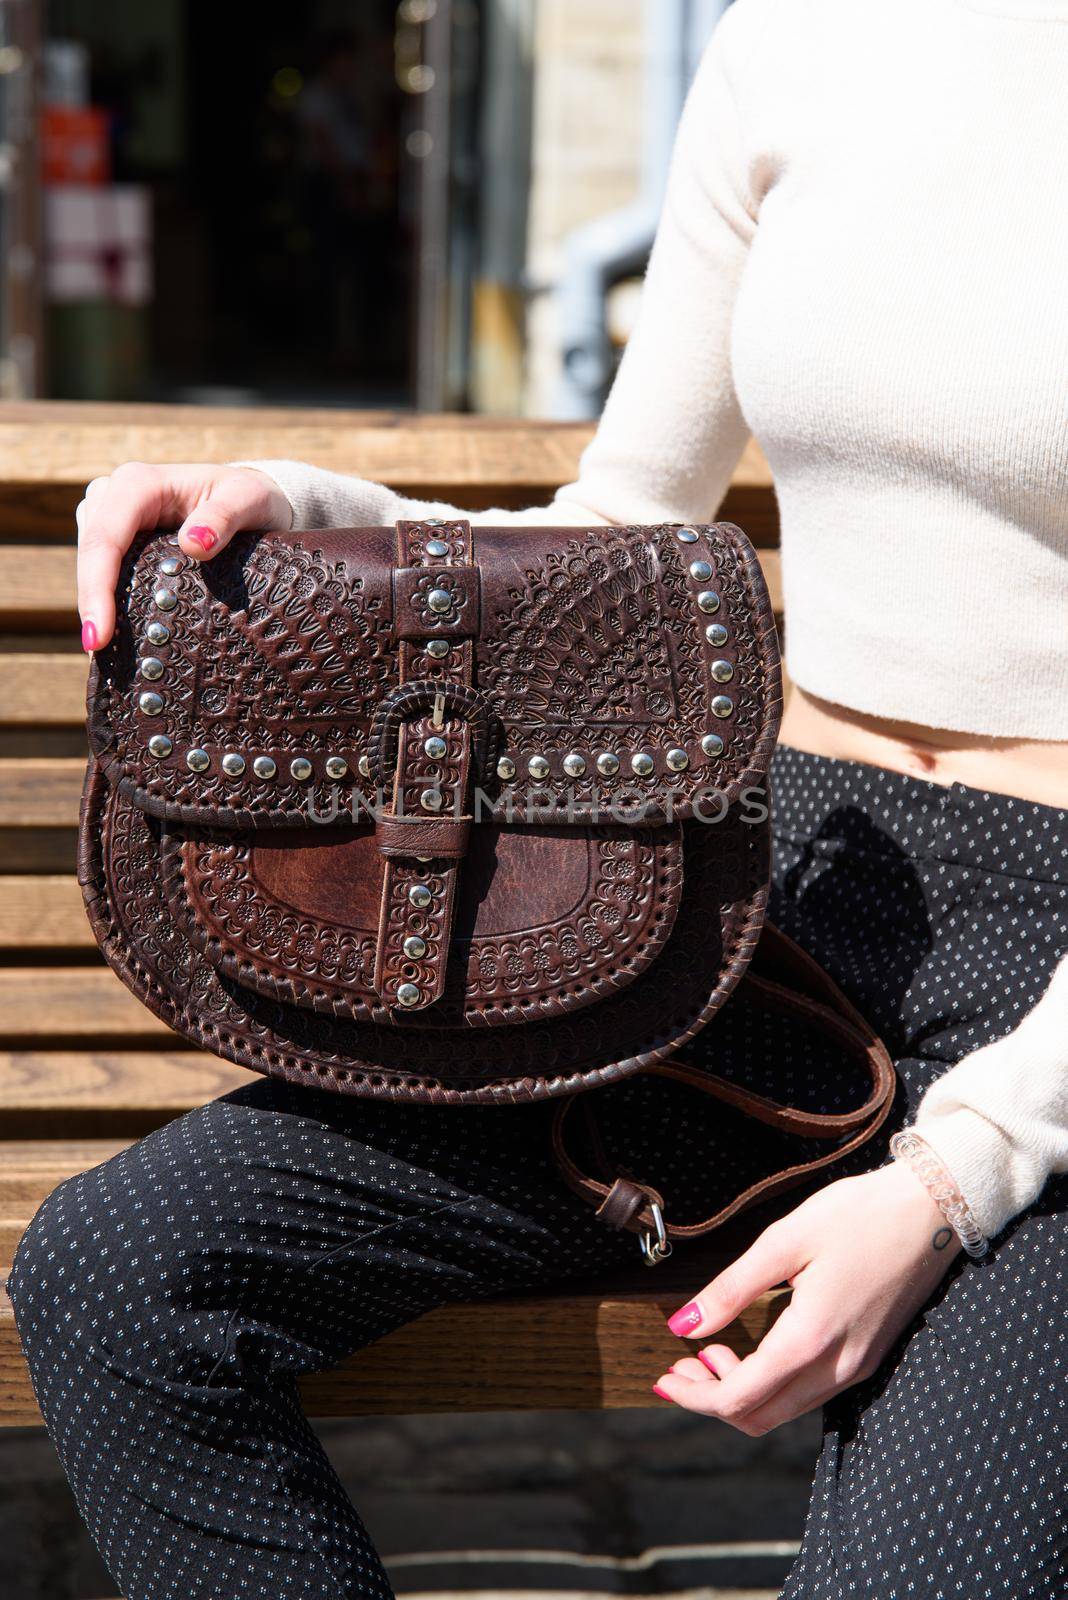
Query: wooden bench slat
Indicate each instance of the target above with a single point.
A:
(56, 442)
(43, 911)
(31, 1168)
(63, 442)
(37, 585)
(42, 690)
(606, 1351)
(105, 1081)
(72, 1005)
(40, 792)
(49, 851)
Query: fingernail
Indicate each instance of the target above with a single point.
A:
(703, 1355)
(686, 1318)
(657, 1390)
(206, 538)
(89, 636)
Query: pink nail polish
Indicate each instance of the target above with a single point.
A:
(703, 1355)
(686, 1318)
(657, 1390)
(206, 538)
(89, 636)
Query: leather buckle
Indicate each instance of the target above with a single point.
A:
(441, 697)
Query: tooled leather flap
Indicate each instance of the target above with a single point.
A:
(627, 673)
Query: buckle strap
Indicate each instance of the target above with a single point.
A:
(430, 737)
(623, 1201)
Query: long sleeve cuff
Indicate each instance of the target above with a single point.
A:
(997, 1177)
(323, 499)
(998, 1120)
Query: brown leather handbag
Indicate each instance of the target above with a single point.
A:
(455, 816)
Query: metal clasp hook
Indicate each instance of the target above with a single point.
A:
(655, 1248)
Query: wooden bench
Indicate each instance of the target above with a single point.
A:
(83, 1067)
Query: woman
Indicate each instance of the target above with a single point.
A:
(862, 259)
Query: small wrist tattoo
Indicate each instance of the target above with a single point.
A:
(942, 1238)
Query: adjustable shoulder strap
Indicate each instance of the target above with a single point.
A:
(623, 1201)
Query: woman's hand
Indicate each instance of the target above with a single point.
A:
(862, 1256)
(210, 503)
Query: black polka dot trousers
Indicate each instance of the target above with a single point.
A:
(169, 1300)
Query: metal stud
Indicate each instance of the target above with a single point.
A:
(435, 747)
(336, 767)
(151, 668)
(150, 702)
(233, 763)
(722, 705)
(701, 570)
(438, 648)
(686, 535)
(408, 995)
(574, 764)
(363, 766)
(431, 799)
(157, 633)
(708, 600)
(439, 601)
(436, 547)
(538, 767)
(197, 760)
(170, 566)
(264, 767)
(419, 896)
(165, 599)
(677, 760)
(506, 769)
(300, 768)
(642, 764)
(716, 633)
(712, 744)
(722, 671)
(414, 947)
(607, 764)
(159, 746)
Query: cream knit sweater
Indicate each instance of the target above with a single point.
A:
(863, 259)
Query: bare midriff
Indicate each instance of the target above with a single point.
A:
(1033, 769)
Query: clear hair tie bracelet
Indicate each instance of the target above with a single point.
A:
(908, 1146)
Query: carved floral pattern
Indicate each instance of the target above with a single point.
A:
(624, 916)
(583, 641)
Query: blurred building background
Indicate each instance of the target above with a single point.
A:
(443, 204)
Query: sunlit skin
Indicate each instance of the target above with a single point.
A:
(864, 1253)
(1033, 769)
